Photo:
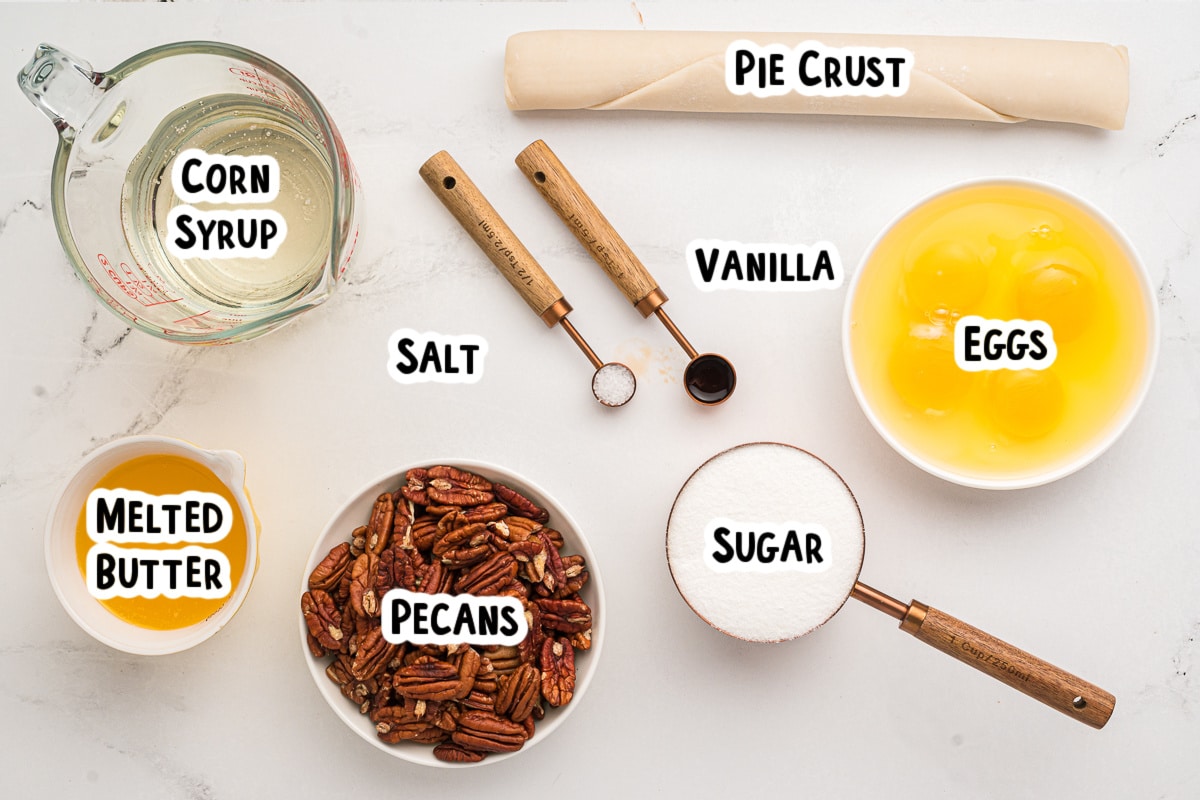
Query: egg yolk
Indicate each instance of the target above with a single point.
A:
(945, 279)
(923, 370)
(1026, 404)
(1058, 295)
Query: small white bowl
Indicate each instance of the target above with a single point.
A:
(63, 565)
(357, 510)
(1102, 441)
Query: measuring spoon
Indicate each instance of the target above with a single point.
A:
(753, 593)
(709, 378)
(613, 384)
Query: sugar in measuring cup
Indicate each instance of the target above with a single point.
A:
(765, 543)
(199, 189)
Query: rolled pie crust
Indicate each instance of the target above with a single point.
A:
(953, 77)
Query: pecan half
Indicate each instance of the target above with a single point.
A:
(519, 693)
(568, 616)
(582, 640)
(424, 532)
(414, 490)
(469, 663)
(356, 691)
(517, 589)
(514, 529)
(427, 678)
(395, 569)
(443, 715)
(531, 554)
(363, 574)
(519, 504)
(463, 546)
(315, 647)
(435, 579)
(322, 618)
(373, 656)
(399, 723)
(431, 650)
(488, 733)
(488, 577)
(349, 624)
(453, 753)
(484, 701)
(576, 573)
(358, 541)
(555, 575)
(329, 572)
(456, 487)
(382, 698)
(531, 645)
(488, 512)
(379, 529)
(402, 520)
(504, 658)
(338, 671)
(558, 671)
(485, 676)
(449, 522)
(556, 537)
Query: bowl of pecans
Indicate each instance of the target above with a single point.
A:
(452, 614)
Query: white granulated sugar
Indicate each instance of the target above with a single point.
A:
(613, 384)
(765, 482)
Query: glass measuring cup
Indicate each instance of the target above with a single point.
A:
(119, 135)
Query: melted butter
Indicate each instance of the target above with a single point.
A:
(160, 475)
(1001, 252)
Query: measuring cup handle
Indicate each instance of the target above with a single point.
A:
(63, 86)
(591, 228)
(1028, 674)
(479, 219)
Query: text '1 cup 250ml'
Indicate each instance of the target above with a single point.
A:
(199, 189)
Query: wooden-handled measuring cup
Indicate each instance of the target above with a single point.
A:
(744, 503)
(613, 384)
(709, 378)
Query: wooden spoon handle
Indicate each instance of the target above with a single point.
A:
(591, 228)
(479, 219)
(1044, 682)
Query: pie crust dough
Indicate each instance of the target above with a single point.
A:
(969, 78)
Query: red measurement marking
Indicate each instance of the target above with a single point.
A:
(162, 302)
(192, 317)
(133, 284)
(349, 253)
(271, 93)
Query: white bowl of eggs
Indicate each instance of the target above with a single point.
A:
(938, 333)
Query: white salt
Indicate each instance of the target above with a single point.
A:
(613, 384)
(765, 482)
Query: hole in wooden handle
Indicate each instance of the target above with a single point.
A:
(539, 176)
(448, 182)
(1079, 703)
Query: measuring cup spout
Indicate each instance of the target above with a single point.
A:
(229, 467)
(64, 87)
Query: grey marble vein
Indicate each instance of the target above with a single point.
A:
(19, 208)
(1165, 142)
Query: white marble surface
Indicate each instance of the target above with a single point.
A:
(1096, 572)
